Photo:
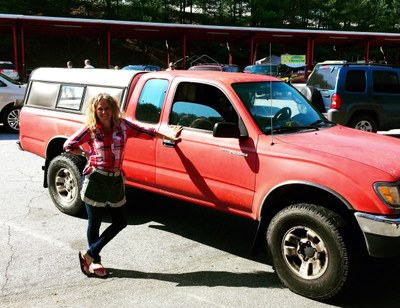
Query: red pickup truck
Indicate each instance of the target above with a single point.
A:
(324, 195)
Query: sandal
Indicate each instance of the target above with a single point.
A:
(99, 270)
(84, 265)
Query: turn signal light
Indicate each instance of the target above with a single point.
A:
(389, 193)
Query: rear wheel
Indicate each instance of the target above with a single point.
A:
(363, 122)
(11, 119)
(65, 182)
(308, 250)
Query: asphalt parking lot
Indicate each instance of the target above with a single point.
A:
(172, 254)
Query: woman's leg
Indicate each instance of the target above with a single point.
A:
(95, 216)
(119, 222)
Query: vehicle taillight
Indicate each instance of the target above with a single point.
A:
(336, 101)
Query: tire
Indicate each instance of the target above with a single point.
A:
(307, 92)
(64, 179)
(10, 119)
(308, 251)
(314, 96)
(363, 122)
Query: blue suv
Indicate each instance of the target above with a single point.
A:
(360, 96)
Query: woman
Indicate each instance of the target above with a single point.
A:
(106, 133)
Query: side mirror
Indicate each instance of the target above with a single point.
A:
(226, 130)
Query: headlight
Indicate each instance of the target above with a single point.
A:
(389, 193)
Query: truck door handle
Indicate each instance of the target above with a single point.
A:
(168, 143)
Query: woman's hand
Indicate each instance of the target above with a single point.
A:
(175, 133)
(79, 152)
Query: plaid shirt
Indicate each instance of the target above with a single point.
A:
(107, 150)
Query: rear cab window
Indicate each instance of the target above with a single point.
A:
(151, 101)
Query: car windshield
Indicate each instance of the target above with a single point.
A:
(277, 107)
(7, 66)
(324, 76)
(10, 79)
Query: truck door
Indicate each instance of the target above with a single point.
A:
(139, 160)
(219, 172)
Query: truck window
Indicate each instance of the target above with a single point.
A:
(194, 115)
(70, 97)
(201, 106)
(43, 94)
(151, 100)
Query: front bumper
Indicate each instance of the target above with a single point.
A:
(381, 233)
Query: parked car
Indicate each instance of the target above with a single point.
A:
(215, 67)
(247, 69)
(360, 96)
(8, 68)
(265, 69)
(140, 67)
(11, 97)
(268, 69)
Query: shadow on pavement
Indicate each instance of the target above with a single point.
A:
(5, 135)
(205, 278)
(377, 285)
(223, 231)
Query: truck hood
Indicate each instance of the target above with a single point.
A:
(374, 150)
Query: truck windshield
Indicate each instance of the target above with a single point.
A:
(278, 107)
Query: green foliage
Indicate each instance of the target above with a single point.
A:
(360, 15)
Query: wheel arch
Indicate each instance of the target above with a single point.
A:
(54, 148)
(290, 193)
(8, 105)
(373, 113)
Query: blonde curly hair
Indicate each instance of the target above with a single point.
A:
(91, 118)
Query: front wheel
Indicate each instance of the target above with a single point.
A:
(11, 119)
(308, 250)
(65, 182)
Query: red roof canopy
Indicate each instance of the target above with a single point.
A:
(54, 26)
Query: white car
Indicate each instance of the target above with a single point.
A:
(8, 68)
(11, 97)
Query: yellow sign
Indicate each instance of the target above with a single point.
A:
(293, 59)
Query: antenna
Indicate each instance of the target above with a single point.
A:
(270, 94)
